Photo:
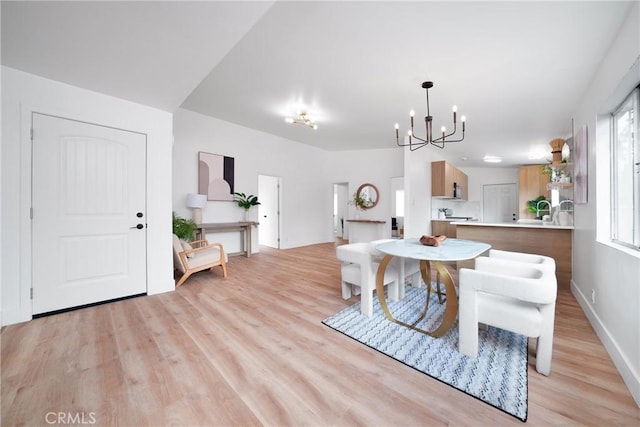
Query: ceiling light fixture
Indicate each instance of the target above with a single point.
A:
(492, 159)
(428, 120)
(302, 119)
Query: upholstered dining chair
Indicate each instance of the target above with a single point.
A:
(359, 269)
(541, 261)
(511, 295)
(199, 255)
(359, 266)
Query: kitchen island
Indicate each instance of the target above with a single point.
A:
(549, 240)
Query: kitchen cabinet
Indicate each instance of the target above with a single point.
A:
(532, 183)
(443, 227)
(443, 177)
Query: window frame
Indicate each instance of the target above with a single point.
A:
(634, 98)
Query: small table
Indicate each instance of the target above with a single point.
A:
(449, 250)
(218, 227)
(365, 230)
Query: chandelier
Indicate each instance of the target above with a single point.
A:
(302, 119)
(428, 121)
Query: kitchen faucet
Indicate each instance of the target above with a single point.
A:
(566, 201)
(538, 209)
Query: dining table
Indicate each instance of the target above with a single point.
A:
(448, 250)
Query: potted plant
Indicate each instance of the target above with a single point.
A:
(183, 228)
(361, 202)
(246, 202)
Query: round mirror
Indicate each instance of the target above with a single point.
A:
(367, 196)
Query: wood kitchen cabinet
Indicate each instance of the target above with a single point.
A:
(443, 177)
(443, 227)
(532, 183)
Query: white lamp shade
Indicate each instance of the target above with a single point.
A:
(196, 200)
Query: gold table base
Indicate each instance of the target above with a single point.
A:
(451, 302)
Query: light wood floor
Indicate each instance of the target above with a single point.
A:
(250, 350)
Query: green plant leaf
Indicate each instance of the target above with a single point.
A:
(183, 228)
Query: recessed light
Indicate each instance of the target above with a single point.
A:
(492, 159)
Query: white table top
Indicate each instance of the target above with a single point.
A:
(449, 250)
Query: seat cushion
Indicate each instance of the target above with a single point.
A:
(187, 247)
(510, 314)
(207, 255)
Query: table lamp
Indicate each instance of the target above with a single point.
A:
(197, 202)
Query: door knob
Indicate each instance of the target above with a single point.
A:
(139, 226)
(139, 214)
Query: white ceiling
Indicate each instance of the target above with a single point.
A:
(517, 70)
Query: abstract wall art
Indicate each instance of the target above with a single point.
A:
(580, 149)
(215, 176)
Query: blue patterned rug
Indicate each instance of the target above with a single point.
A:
(498, 376)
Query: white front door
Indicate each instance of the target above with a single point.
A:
(89, 213)
(499, 203)
(269, 211)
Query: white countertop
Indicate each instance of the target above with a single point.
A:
(514, 225)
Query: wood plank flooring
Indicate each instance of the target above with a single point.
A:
(250, 350)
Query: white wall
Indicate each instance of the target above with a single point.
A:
(417, 189)
(306, 191)
(377, 167)
(23, 94)
(613, 274)
(307, 173)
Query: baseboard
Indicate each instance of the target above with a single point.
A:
(629, 376)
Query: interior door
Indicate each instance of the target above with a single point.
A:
(269, 211)
(499, 203)
(88, 225)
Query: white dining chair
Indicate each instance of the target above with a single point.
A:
(511, 295)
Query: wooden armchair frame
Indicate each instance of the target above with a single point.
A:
(204, 256)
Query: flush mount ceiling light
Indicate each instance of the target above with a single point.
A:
(428, 121)
(492, 159)
(302, 119)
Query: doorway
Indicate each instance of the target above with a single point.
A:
(340, 209)
(269, 188)
(499, 203)
(88, 213)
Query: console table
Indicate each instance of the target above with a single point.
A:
(365, 230)
(244, 227)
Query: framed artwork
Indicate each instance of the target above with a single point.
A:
(580, 152)
(215, 176)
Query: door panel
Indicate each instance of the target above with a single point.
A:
(88, 197)
(499, 202)
(268, 211)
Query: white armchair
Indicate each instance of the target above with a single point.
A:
(541, 261)
(359, 268)
(512, 295)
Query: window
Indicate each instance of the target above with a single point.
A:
(625, 173)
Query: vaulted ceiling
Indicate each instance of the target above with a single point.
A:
(517, 70)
